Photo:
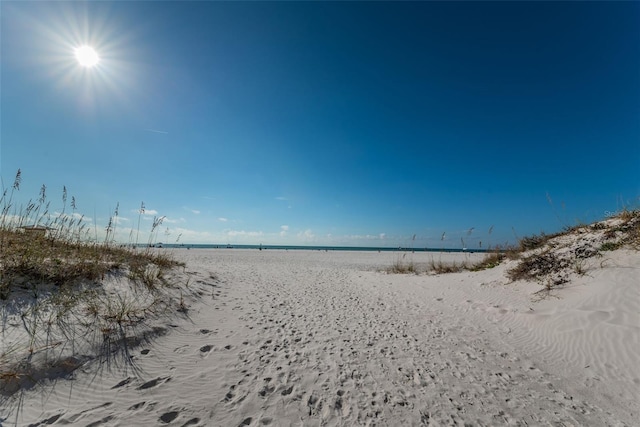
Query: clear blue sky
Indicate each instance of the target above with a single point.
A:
(359, 123)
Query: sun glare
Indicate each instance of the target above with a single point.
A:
(87, 56)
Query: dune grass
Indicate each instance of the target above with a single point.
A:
(440, 267)
(551, 261)
(402, 267)
(492, 259)
(544, 257)
(65, 295)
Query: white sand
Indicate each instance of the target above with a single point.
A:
(325, 339)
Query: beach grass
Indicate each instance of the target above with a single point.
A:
(547, 258)
(401, 267)
(441, 267)
(491, 260)
(64, 293)
(550, 259)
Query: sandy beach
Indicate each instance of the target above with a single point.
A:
(313, 338)
(319, 213)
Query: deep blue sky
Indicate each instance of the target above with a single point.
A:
(358, 123)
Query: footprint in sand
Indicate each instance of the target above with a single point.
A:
(136, 406)
(191, 422)
(168, 417)
(230, 394)
(100, 422)
(206, 348)
(233, 396)
(122, 383)
(153, 383)
(267, 389)
(48, 421)
(314, 403)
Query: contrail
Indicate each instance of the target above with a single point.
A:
(156, 131)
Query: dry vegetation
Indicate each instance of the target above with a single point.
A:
(491, 260)
(553, 259)
(440, 267)
(550, 259)
(403, 267)
(66, 298)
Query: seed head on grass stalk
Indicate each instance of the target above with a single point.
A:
(157, 222)
(17, 180)
(41, 201)
(140, 213)
(108, 230)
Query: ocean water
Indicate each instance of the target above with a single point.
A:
(313, 248)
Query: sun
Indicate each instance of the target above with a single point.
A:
(87, 56)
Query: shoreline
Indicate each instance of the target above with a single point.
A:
(317, 248)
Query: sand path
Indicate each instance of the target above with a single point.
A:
(323, 339)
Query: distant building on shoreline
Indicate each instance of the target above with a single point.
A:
(36, 230)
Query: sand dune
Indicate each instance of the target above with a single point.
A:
(301, 338)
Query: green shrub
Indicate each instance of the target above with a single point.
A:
(610, 246)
